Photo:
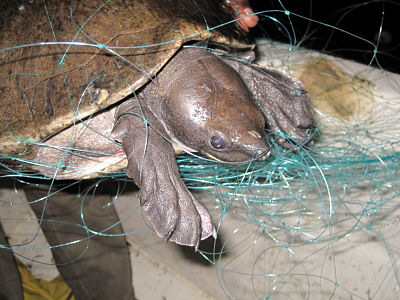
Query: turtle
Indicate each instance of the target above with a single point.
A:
(92, 86)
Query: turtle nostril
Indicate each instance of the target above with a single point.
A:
(254, 134)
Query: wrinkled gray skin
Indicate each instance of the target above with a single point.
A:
(212, 105)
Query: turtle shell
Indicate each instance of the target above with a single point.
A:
(62, 61)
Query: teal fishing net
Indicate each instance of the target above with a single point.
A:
(318, 221)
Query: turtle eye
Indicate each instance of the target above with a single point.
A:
(217, 143)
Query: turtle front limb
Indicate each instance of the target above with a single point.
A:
(283, 100)
(171, 209)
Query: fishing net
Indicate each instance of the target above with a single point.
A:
(317, 221)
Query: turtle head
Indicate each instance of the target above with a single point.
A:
(211, 110)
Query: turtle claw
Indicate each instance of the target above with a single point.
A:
(214, 233)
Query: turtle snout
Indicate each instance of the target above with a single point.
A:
(263, 154)
(256, 145)
(263, 151)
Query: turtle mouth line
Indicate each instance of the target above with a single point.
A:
(260, 157)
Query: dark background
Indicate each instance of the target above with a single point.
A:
(363, 19)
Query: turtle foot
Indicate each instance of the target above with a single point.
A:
(284, 102)
(173, 211)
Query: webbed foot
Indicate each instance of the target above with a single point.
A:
(169, 206)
